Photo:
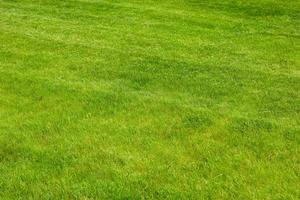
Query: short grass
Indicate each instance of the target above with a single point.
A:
(131, 99)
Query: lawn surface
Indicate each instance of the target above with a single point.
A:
(129, 99)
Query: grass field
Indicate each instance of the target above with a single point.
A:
(131, 99)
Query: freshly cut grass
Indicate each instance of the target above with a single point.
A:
(173, 99)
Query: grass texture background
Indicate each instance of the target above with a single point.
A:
(131, 99)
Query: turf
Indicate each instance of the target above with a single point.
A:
(129, 99)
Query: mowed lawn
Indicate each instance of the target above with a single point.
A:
(132, 99)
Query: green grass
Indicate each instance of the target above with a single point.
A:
(129, 99)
